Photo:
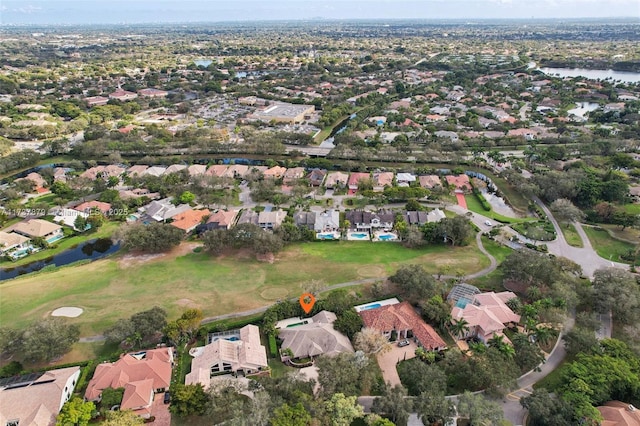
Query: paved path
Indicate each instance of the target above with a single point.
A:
(584, 256)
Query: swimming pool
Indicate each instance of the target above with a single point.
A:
(372, 306)
(55, 238)
(325, 236)
(233, 339)
(359, 236)
(386, 237)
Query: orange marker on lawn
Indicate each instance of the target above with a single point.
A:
(307, 301)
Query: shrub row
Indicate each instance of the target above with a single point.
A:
(273, 346)
(483, 201)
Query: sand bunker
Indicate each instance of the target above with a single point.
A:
(67, 311)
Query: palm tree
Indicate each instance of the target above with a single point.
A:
(459, 327)
(544, 334)
(497, 341)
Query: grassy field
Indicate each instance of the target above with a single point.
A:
(474, 205)
(632, 208)
(104, 231)
(571, 235)
(498, 251)
(117, 287)
(607, 246)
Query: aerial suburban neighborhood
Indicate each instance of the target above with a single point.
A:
(267, 219)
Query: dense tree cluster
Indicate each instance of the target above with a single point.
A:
(152, 238)
(43, 340)
(242, 236)
(141, 327)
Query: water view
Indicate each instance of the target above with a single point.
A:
(92, 249)
(624, 76)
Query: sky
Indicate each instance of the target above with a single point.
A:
(72, 12)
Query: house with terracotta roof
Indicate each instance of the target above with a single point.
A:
(137, 170)
(244, 356)
(355, 178)
(196, 169)
(189, 219)
(460, 182)
(89, 206)
(237, 171)
(216, 170)
(221, 219)
(402, 320)
(292, 175)
(136, 372)
(382, 180)
(617, 413)
(336, 180)
(36, 399)
(486, 315)
(314, 338)
(152, 93)
(154, 171)
(38, 228)
(275, 172)
(430, 181)
(96, 101)
(37, 180)
(123, 95)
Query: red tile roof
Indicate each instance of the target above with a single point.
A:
(399, 317)
(188, 220)
(155, 364)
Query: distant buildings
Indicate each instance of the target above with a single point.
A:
(283, 113)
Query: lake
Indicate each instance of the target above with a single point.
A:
(626, 77)
(92, 249)
(582, 108)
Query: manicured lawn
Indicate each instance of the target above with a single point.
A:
(607, 246)
(497, 250)
(632, 208)
(474, 205)
(571, 235)
(119, 286)
(491, 282)
(104, 231)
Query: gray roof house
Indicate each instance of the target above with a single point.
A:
(318, 337)
(305, 219)
(327, 221)
(161, 210)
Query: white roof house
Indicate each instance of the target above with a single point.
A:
(68, 217)
(245, 355)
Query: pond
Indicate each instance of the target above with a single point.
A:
(582, 108)
(92, 250)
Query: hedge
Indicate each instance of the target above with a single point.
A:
(273, 346)
(483, 201)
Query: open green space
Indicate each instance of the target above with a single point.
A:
(116, 287)
(571, 235)
(606, 246)
(632, 208)
(106, 230)
(497, 250)
(537, 230)
(475, 206)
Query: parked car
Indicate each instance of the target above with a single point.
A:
(488, 223)
(403, 343)
(167, 397)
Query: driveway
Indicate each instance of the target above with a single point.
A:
(389, 360)
(160, 411)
